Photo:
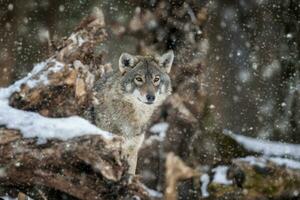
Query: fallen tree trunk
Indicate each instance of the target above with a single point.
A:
(79, 167)
(87, 167)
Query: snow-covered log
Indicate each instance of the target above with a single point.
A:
(245, 178)
(47, 148)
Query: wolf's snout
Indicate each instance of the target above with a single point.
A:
(150, 98)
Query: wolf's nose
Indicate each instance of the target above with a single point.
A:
(150, 97)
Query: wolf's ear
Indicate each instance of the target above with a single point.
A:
(166, 61)
(126, 61)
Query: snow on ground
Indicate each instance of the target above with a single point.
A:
(220, 175)
(252, 160)
(286, 162)
(153, 193)
(262, 161)
(267, 148)
(8, 198)
(204, 183)
(33, 124)
(160, 129)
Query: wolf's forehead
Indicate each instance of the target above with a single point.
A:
(147, 67)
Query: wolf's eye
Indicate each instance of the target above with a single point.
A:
(139, 79)
(156, 79)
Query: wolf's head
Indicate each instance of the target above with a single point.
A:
(145, 78)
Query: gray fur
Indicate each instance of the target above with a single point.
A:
(120, 104)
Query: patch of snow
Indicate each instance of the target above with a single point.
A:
(33, 124)
(220, 175)
(153, 193)
(77, 39)
(286, 162)
(262, 161)
(8, 198)
(204, 183)
(265, 147)
(80, 41)
(6, 92)
(160, 129)
(252, 160)
(43, 78)
(73, 38)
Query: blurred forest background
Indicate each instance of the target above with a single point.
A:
(237, 66)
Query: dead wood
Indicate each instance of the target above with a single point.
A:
(176, 171)
(88, 167)
(68, 91)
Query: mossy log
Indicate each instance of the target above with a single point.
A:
(246, 181)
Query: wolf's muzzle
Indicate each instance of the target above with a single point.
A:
(150, 98)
